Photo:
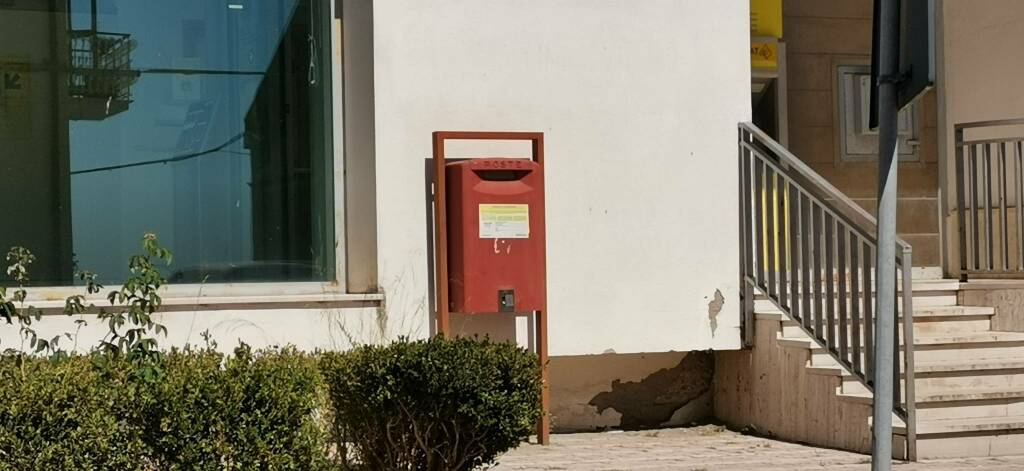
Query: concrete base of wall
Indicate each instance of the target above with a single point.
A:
(630, 391)
(769, 391)
(613, 390)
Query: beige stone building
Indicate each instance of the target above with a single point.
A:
(710, 182)
(810, 382)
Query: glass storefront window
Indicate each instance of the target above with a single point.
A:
(205, 121)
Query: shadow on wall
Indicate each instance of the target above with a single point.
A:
(655, 400)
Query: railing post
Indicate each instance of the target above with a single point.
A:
(1004, 255)
(746, 261)
(961, 202)
(1019, 203)
(908, 355)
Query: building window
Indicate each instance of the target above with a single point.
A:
(207, 122)
(857, 141)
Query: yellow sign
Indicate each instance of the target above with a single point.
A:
(764, 55)
(15, 78)
(15, 98)
(504, 221)
(766, 18)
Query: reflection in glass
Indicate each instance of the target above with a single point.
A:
(206, 122)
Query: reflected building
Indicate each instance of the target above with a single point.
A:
(205, 122)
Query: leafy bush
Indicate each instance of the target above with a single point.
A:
(68, 414)
(428, 405)
(203, 411)
(432, 405)
(274, 411)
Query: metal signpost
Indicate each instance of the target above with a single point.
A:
(902, 69)
(887, 40)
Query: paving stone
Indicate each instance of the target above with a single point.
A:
(708, 448)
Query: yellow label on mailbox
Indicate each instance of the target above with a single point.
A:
(504, 221)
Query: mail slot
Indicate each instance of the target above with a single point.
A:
(496, 239)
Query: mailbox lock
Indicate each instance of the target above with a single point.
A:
(506, 300)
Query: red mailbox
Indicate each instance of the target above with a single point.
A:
(495, 235)
(489, 228)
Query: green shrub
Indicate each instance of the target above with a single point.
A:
(67, 414)
(184, 412)
(202, 411)
(432, 405)
(276, 403)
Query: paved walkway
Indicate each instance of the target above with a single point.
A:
(707, 448)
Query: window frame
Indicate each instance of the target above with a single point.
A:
(839, 69)
(286, 294)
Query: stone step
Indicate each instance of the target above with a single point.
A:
(973, 436)
(922, 327)
(967, 338)
(938, 396)
(969, 380)
(824, 364)
(919, 286)
(927, 321)
(958, 340)
(978, 365)
(939, 347)
(965, 403)
(921, 313)
(971, 374)
(968, 425)
(935, 403)
(968, 345)
(1011, 405)
(939, 298)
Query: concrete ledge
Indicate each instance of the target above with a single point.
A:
(978, 284)
(223, 303)
(974, 424)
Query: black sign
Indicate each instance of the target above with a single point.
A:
(12, 81)
(916, 54)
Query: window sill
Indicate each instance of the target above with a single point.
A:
(222, 297)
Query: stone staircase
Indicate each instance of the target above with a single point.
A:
(969, 379)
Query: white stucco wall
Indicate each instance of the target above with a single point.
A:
(639, 102)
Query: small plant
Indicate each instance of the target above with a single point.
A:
(13, 308)
(431, 405)
(140, 297)
(132, 305)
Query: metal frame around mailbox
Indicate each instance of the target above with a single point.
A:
(441, 251)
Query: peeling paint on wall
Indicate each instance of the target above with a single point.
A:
(714, 307)
(653, 400)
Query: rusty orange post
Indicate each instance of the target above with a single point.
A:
(443, 315)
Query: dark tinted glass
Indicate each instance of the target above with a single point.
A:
(204, 121)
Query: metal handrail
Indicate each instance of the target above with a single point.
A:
(795, 164)
(989, 192)
(810, 250)
(990, 123)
